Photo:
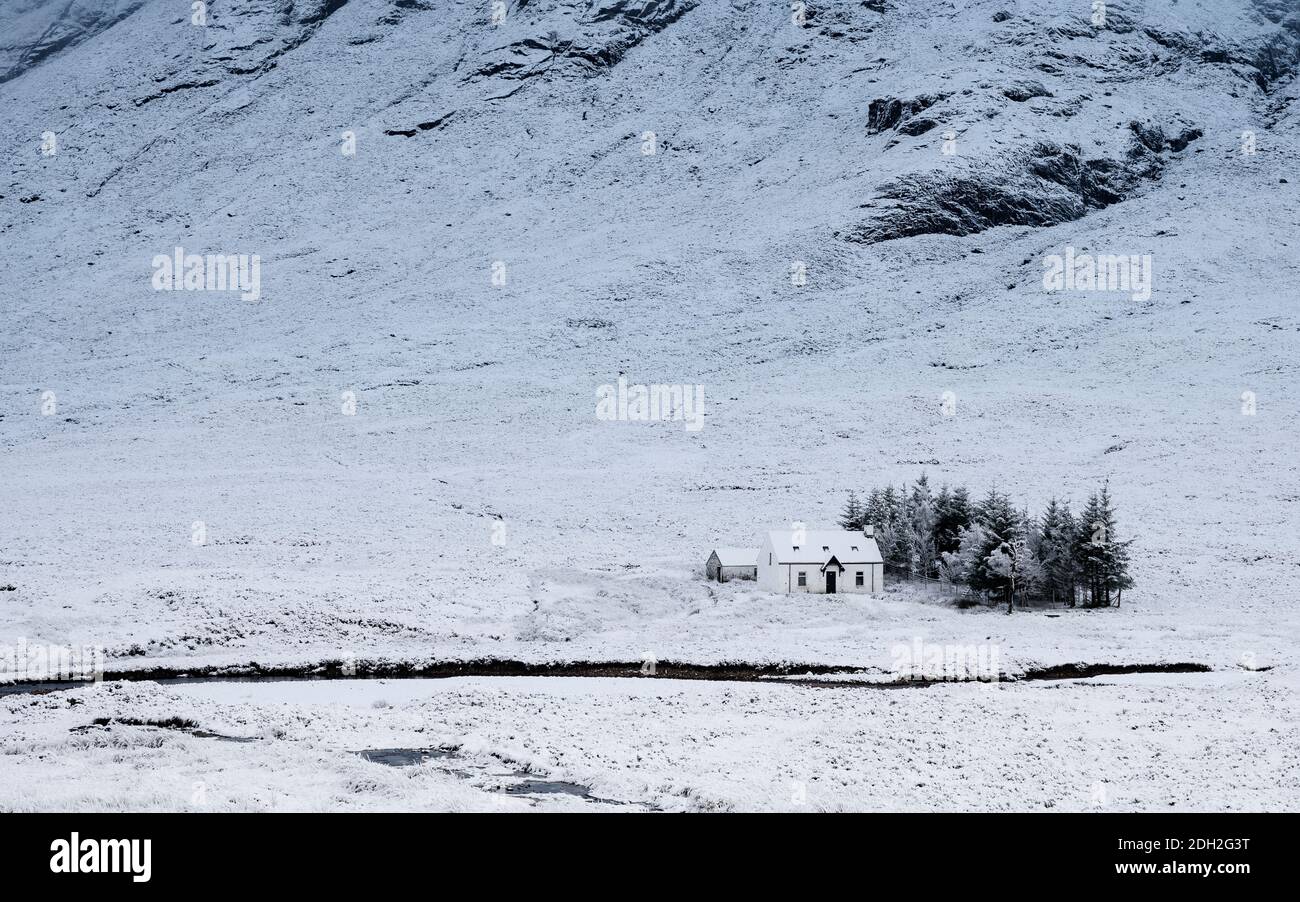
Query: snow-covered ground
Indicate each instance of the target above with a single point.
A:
(1187, 742)
(370, 535)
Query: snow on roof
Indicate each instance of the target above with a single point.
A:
(817, 546)
(737, 557)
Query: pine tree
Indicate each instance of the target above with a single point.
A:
(1089, 544)
(885, 500)
(1030, 575)
(921, 527)
(873, 512)
(1118, 576)
(959, 567)
(1028, 529)
(942, 503)
(952, 515)
(890, 504)
(1055, 551)
(1113, 555)
(852, 517)
(1068, 571)
(1001, 526)
(996, 550)
(898, 531)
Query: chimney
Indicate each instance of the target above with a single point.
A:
(869, 531)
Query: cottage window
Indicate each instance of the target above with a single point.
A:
(826, 548)
(803, 578)
(854, 547)
(796, 548)
(859, 578)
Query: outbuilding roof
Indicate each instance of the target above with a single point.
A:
(737, 557)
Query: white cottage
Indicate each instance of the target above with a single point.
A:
(820, 561)
(726, 564)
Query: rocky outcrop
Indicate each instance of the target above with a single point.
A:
(890, 112)
(36, 38)
(1021, 91)
(437, 122)
(1043, 185)
(603, 37)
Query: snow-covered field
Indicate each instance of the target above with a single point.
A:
(132, 420)
(1191, 742)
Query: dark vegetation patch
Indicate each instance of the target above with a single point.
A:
(1081, 671)
(170, 723)
(180, 724)
(811, 675)
(485, 667)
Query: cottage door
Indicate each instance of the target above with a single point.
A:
(830, 582)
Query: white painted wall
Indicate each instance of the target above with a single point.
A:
(774, 577)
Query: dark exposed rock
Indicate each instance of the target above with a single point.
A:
(890, 112)
(1180, 141)
(1266, 61)
(1070, 29)
(1069, 107)
(1153, 137)
(603, 38)
(1148, 135)
(1276, 11)
(648, 12)
(1277, 58)
(843, 21)
(172, 89)
(435, 123)
(313, 12)
(1021, 91)
(77, 22)
(917, 126)
(634, 21)
(431, 124)
(297, 22)
(1043, 185)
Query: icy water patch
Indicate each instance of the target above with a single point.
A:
(513, 783)
(404, 757)
(558, 787)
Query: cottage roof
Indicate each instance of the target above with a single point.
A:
(817, 546)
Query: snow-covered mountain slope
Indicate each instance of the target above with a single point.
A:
(918, 159)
